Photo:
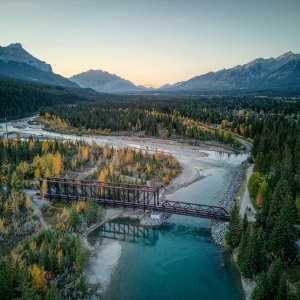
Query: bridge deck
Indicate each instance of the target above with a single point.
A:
(128, 195)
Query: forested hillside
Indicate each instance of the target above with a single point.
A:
(21, 97)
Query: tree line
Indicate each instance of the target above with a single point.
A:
(266, 247)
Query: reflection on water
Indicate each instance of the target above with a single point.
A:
(122, 230)
(129, 231)
(170, 262)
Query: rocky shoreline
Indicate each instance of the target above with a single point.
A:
(219, 228)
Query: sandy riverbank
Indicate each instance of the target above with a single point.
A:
(188, 175)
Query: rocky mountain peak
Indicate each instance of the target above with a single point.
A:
(16, 53)
(285, 56)
(15, 45)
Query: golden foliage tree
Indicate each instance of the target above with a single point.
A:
(224, 123)
(117, 159)
(37, 174)
(128, 156)
(38, 277)
(47, 173)
(106, 151)
(45, 146)
(102, 176)
(27, 202)
(85, 153)
(43, 189)
(111, 169)
(57, 164)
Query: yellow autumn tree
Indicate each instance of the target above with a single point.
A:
(38, 277)
(148, 168)
(47, 173)
(224, 123)
(80, 206)
(60, 259)
(57, 164)
(22, 167)
(43, 189)
(27, 202)
(85, 153)
(242, 129)
(73, 163)
(3, 230)
(158, 155)
(128, 156)
(111, 169)
(117, 158)
(32, 246)
(106, 151)
(37, 174)
(45, 146)
(102, 176)
(31, 144)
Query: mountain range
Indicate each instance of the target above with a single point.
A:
(105, 82)
(282, 72)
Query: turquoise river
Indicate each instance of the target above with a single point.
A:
(178, 260)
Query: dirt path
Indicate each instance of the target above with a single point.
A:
(245, 201)
(37, 212)
(36, 208)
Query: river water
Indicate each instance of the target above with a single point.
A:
(176, 261)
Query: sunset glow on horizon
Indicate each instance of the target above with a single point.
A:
(150, 43)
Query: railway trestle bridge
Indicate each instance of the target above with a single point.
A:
(127, 196)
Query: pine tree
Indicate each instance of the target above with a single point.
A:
(53, 293)
(251, 253)
(272, 285)
(260, 292)
(282, 239)
(280, 195)
(235, 228)
(16, 182)
(245, 223)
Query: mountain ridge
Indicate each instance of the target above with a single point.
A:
(17, 63)
(104, 82)
(250, 75)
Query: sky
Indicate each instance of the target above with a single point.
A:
(150, 42)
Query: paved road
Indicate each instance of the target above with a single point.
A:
(245, 201)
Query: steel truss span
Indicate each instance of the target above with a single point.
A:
(127, 195)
